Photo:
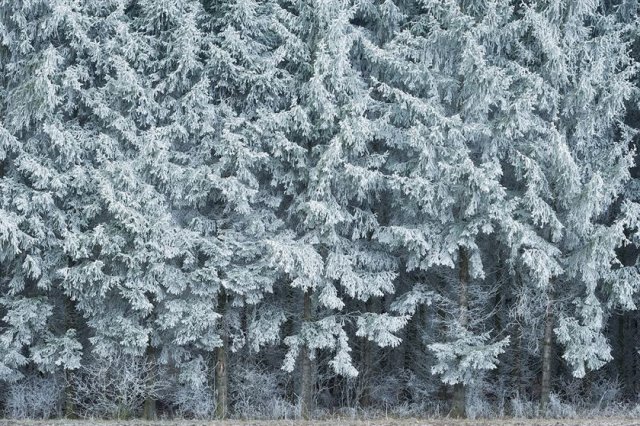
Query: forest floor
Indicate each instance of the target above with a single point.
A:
(598, 421)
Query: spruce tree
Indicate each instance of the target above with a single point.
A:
(325, 159)
(39, 158)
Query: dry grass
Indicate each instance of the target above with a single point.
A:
(598, 421)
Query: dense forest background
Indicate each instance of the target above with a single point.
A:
(288, 208)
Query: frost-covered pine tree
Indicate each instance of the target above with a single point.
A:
(570, 162)
(476, 96)
(263, 185)
(114, 237)
(39, 158)
(213, 67)
(325, 163)
(441, 83)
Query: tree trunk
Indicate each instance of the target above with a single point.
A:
(635, 371)
(306, 381)
(288, 329)
(69, 391)
(619, 320)
(459, 405)
(502, 374)
(221, 371)
(149, 408)
(367, 361)
(547, 346)
(440, 332)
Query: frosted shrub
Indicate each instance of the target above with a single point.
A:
(594, 396)
(345, 393)
(478, 406)
(259, 394)
(605, 392)
(192, 401)
(523, 407)
(404, 394)
(418, 387)
(115, 387)
(559, 409)
(34, 398)
(406, 409)
(386, 390)
(635, 411)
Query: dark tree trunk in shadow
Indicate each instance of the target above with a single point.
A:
(547, 349)
(459, 403)
(69, 391)
(221, 369)
(149, 408)
(306, 380)
(367, 361)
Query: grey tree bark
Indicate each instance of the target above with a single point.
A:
(306, 380)
(69, 391)
(221, 368)
(459, 403)
(149, 410)
(367, 361)
(547, 346)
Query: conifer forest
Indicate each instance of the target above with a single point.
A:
(290, 209)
